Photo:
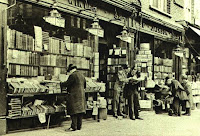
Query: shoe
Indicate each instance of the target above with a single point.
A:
(185, 113)
(115, 115)
(139, 118)
(124, 115)
(132, 118)
(70, 129)
(78, 128)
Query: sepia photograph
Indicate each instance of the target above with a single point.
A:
(99, 67)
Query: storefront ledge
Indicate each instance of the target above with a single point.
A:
(172, 26)
(123, 4)
(74, 10)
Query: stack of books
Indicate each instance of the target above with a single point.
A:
(14, 107)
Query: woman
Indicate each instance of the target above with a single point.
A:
(188, 103)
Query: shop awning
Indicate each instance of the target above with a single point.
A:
(197, 31)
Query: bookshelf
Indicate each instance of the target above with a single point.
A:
(33, 56)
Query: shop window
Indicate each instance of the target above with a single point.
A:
(161, 5)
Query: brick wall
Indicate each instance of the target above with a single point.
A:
(176, 12)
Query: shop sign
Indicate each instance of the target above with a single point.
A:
(57, 21)
(97, 32)
(158, 30)
(124, 38)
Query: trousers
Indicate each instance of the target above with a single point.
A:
(133, 103)
(118, 104)
(76, 121)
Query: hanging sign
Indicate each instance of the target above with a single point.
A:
(57, 21)
(96, 31)
(124, 38)
(179, 54)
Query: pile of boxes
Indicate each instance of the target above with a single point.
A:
(163, 69)
(96, 65)
(196, 93)
(144, 60)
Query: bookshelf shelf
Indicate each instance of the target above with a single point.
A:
(11, 75)
(35, 94)
(31, 116)
(24, 64)
(49, 53)
(53, 66)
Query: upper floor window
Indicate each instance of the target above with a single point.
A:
(161, 5)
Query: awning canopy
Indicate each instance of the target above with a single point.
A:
(197, 31)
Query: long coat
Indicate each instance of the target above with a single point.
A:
(75, 85)
(177, 88)
(188, 89)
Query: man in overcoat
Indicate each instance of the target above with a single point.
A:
(76, 104)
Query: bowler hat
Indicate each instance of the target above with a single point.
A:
(70, 67)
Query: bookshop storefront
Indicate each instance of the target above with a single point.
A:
(43, 38)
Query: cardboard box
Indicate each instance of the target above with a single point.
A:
(147, 52)
(145, 104)
(145, 46)
(144, 65)
(141, 52)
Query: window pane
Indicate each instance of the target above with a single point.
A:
(155, 3)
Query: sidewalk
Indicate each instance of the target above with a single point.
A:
(152, 125)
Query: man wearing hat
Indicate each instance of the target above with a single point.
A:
(75, 85)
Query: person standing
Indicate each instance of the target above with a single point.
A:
(118, 99)
(76, 103)
(188, 103)
(132, 94)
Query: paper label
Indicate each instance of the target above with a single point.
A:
(42, 117)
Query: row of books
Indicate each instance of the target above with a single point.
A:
(36, 109)
(19, 40)
(117, 61)
(26, 86)
(14, 107)
(22, 70)
(53, 60)
(23, 57)
(52, 71)
(79, 62)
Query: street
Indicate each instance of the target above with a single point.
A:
(152, 125)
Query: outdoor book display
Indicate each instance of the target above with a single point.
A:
(117, 58)
(37, 62)
(196, 94)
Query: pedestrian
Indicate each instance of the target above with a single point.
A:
(118, 99)
(179, 94)
(76, 103)
(132, 93)
(188, 103)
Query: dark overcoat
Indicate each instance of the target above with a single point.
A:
(75, 85)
